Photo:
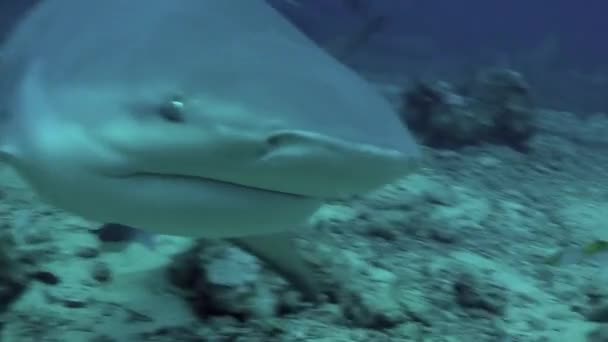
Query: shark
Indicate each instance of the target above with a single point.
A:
(207, 119)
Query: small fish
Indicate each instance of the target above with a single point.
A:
(596, 250)
(115, 236)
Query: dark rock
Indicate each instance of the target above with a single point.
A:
(470, 294)
(598, 314)
(496, 107)
(10, 291)
(14, 277)
(599, 335)
(101, 272)
(46, 277)
(88, 252)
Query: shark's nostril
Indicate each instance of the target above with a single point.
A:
(281, 139)
(274, 141)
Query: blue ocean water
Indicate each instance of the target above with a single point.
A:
(559, 44)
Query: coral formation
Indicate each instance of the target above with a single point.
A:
(495, 107)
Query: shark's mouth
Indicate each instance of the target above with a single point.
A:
(288, 162)
(200, 180)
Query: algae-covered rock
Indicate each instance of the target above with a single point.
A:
(495, 107)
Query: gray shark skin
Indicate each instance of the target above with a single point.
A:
(207, 119)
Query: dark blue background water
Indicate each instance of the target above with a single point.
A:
(559, 45)
(465, 26)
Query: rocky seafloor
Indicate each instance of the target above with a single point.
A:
(455, 252)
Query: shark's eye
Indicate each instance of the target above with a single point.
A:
(173, 109)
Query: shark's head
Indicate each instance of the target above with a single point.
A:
(190, 118)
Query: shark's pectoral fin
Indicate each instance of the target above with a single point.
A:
(280, 253)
